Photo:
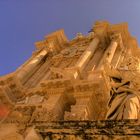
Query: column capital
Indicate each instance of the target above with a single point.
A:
(116, 37)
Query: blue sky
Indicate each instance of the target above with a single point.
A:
(23, 22)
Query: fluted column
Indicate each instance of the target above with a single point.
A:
(87, 54)
(107, 58)
(24, 71)
(83, 60)
(109, 53)
(120, 56)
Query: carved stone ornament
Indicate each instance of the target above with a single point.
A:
(66, 84)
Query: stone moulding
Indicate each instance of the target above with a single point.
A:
(62, 91)
(84, 130)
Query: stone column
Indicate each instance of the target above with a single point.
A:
(109, 53)
(87, 54)
(74, 72)
(120, 56)
(83, 60)
(107, 58)
(28, 68)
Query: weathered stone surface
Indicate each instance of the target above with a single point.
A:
(71, 82)
(10, 131)
(83, 130)
(87, 130)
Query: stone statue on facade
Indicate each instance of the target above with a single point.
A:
(125, 91)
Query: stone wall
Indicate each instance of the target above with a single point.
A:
(79, 130)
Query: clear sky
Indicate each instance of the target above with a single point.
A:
(23, 22)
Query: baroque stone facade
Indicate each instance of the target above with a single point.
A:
(67, 81)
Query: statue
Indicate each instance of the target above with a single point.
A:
(125, 92)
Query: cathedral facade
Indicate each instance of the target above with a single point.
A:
(67, 81)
